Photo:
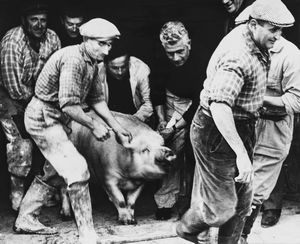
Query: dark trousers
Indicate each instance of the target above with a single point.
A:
(217, 200)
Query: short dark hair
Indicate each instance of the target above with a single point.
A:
(29, 7)
(119, 48)
(72, 9)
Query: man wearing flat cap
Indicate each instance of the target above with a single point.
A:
(223, 128)
(69, 79)
(24, 50)
(274, 128)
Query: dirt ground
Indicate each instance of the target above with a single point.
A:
(147, 231)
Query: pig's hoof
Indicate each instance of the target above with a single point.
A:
(66, 217)
(163, 213)
(127, 221)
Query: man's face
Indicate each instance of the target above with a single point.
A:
(35, 24)
(118, 67)
(178, 54)
(98, 49)
(72, 25)
(230, 5)
(266, 35)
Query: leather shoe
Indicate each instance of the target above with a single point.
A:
(270, 217)
(163, 213)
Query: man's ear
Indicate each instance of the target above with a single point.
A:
(252, 24)
(189, 43)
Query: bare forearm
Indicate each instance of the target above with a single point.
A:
(103, 111)
(273, 101)
(77, 114)
(223, 118)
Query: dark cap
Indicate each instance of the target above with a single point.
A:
(119, 48)
(29, 7)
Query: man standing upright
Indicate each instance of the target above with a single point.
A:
(223, 128)
(24, 50)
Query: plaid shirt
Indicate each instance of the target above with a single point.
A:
(20, 64)
(69, 78)
(237, 75)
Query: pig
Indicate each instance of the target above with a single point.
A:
(122, 171)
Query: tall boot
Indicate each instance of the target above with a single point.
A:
(17, 190)
(27, 221)
(81, 204)
(250, 221)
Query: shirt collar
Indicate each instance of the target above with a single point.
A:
(253, 47)
(86, 56)
(277, 46)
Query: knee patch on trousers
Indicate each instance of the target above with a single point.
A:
(78, 173)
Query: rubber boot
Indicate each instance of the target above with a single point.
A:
(27, 221)
(81, 204)
(17, 190)
(230, 232)
(250, 221)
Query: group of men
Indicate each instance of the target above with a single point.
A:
(252, 74)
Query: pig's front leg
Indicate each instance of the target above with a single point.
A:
(131, 199)
(116, 196)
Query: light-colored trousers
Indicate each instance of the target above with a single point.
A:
(167, 195)
(273, 142)
(51, 138)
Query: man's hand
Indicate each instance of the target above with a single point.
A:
(167, 133)
(161, 126)
(244, 167)
(124, 137)
(100, 131)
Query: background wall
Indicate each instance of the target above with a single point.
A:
(140, 21)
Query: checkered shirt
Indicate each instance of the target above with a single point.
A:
(20, 64)
(237, 75)
(69, 78)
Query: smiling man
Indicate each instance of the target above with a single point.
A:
(233, 8)
(223, 128)
(24, 51)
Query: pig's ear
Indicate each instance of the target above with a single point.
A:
(169, 155)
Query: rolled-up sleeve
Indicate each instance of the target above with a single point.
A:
(71, 75)
(228, 80)
(291, 83)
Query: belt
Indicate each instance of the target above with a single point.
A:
(272, 117)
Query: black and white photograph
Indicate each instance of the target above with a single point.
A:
(149, 121)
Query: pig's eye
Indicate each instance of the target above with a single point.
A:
(146, 150)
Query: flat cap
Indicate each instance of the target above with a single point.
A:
(100, 29)
(28, 7)
(271, 11)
